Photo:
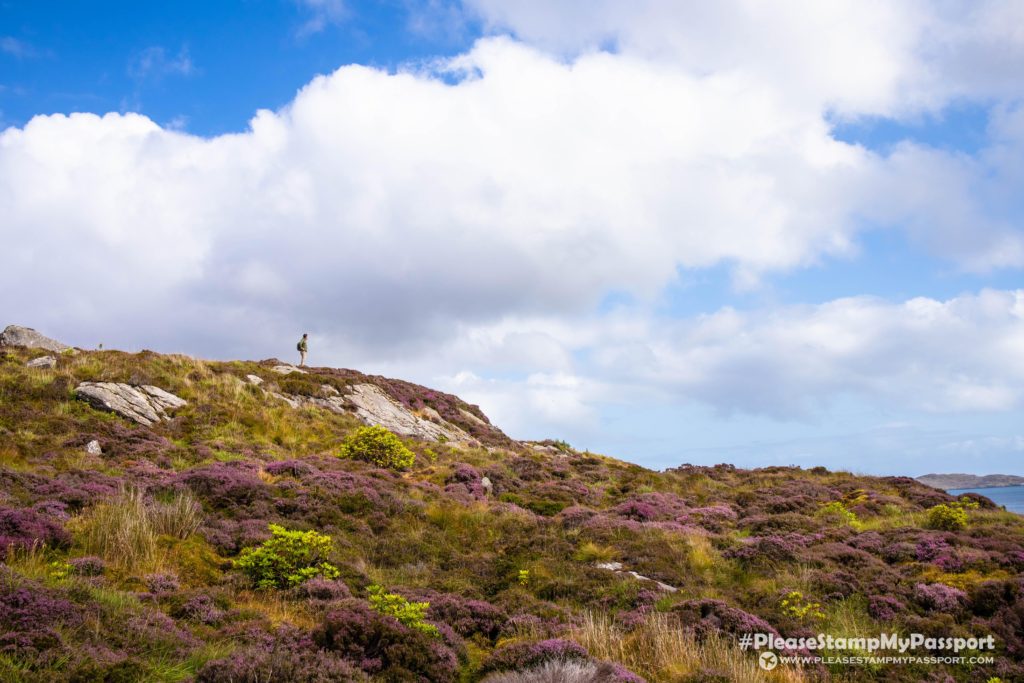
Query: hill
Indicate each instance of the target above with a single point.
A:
(242, 536)
(970, 481)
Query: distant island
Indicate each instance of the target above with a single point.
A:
(970, 481)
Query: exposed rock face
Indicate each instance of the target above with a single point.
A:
(254, 379)
(372, 405)
(16, 335)
(619, 569)
(287, 369)
(42, 362)
(145, 404)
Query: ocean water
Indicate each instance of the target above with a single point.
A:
(1012, 497)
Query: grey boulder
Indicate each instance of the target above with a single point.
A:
(144, 404)
(16, 335)
(42, 362)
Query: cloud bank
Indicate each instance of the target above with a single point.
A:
(411, 219)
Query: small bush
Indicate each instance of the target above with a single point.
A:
(288, 558)
(568, 672)
(837, 512)
(287, 657)
(377, 445)
(408, 613)
(795, 605)
(939, 597)
(946, 517)
(520, 656)
(20, 528)
(382, 646)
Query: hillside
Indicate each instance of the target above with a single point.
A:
(130, 549)
(970, 481)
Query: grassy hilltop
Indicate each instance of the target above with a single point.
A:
(155, 559)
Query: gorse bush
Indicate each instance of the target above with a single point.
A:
(408, 613)
(947, 517)
(288, 558)
(377, 445)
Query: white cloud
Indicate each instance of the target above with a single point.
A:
(796, 363)
(155, 62)
(16, 48)
(431, 227)
(854, 56)
(321, 14)
(406, 203)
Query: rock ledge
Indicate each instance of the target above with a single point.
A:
(144, 404)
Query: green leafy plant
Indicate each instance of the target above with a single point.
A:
(946, 517)
(795, 605)
(408, 613)
(524, 577)
(377, 445)
(838, 512)
(60, 569)
(288, 558)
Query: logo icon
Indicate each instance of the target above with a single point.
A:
(768, 660)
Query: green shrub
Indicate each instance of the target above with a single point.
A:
(408, 613)
(946, 517)
(795, 605)
(288, 558)
(377, 445)
(838, 512)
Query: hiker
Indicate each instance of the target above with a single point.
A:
(303, 347)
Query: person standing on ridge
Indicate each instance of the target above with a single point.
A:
(303, 347)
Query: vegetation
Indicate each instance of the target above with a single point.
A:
(407, 613)
(287, 559)
(947, 517)
(232, 544)
(377, 445)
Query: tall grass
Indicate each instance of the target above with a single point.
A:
(660, 651)
(125, 530)
(179, 517)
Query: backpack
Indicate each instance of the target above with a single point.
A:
(298, 347)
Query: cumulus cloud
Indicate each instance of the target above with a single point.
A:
(404, 202)
(463, 219)
(851, 56)
(964, 354)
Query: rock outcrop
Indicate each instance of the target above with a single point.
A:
(144, 404)
(619, 569)
(287, 369)
(374, 406)
(16, 335)
(42, 362)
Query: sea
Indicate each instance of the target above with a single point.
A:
(1011, 497)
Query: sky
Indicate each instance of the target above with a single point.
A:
(781, 233)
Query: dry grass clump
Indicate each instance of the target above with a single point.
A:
(125, 530)
(660, 651)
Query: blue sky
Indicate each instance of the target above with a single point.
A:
(665, 231)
